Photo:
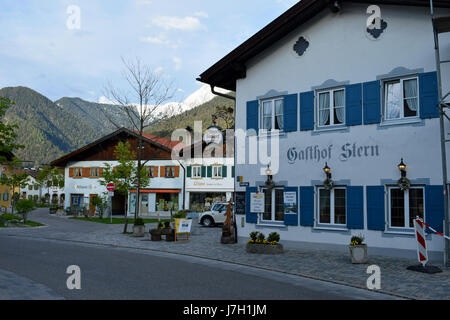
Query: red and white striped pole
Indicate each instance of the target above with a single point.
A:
(421, 244)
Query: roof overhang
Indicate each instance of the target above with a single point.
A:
(73, 156)
(232, 67)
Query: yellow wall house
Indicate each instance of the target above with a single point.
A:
(6, 192)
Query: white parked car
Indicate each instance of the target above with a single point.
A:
(215, 215)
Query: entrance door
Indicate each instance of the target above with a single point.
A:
(91, 206)
(144, 203)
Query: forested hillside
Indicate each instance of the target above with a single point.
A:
(47, 130)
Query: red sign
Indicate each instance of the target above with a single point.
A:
(110, 186)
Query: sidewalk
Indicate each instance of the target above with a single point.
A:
(204, 242)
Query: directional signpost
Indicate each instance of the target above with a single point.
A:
(110, 187)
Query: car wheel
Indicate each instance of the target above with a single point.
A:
(208, 221)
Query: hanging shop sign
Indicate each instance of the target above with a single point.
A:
(290, 202)
(256, 202)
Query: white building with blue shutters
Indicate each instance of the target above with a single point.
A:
(342, 91)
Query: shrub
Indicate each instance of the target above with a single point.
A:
(254, 235)
(160, 225)
(274, 236)
(260, 237)
(139, 222)
(357, 240)
(180, 214)
(23, 207)
(167, 224)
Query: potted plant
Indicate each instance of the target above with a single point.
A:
(156, 233)
(358, 250)
(139, 227)
(258, 243)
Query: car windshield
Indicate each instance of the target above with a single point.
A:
(219, 207)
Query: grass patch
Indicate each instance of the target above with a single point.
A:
(34, 224)
(8, 217)
(115, 220)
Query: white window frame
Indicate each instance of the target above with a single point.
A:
(196, 172)
(273, 209)
(261, 115)
(402, 108)
(331, 92)
(216, 172)
(332, 207)
(405, 205)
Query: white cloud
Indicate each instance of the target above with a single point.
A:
(159, 40)
(201, 14)
(185, 23)
(159, 71)
(177, 62)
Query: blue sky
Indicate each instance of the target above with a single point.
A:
(181, 39)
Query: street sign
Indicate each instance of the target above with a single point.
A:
(110, 193)
(244, 184)
(110, 186)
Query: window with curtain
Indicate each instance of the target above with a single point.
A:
(331, 109)
(196, 172)
(332, 206)
(405, 206)
(217, 172)
(272, 114)
(401, 99)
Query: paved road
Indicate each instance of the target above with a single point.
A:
(118, 273)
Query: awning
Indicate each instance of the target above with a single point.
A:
(157, 191)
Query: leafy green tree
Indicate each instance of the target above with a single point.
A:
(23, 207)
(101, 203)
(50, 177)
(8, 135)
(125, 175)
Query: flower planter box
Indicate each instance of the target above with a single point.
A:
(53, 210)
(155, 235)
(358, 253)
(138, 231)
(264, 248)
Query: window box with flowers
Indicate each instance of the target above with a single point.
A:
(258, 243)
(358, 250)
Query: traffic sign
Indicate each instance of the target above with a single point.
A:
(110, 186)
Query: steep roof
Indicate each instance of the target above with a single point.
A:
(230, 68)
(163, 143)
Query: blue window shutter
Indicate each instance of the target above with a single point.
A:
(232, 171)
(209, 171)
(376, 218)
(353, 104)
(203, 171)
(291, 219)
(307, 206)
(434, 206)
(252, 115)
(355, 207)
(250, 217)
(307, 111)
(290, 112)
(428, 95)
(224, 171)
(372, 102)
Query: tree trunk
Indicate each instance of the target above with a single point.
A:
(138, 189)
(125, 227)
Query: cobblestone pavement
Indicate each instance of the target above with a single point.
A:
(14, 287)
(205, 242)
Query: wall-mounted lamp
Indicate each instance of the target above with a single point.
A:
(402, 167)
(328, 183)
(403, 182)
(269, 182)
(327, 171)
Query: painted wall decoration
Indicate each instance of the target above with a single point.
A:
(301, 45)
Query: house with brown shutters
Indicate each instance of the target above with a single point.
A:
(84, 168)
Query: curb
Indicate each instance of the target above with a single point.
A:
(232, 262)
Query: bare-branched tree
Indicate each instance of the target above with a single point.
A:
(142, 104)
